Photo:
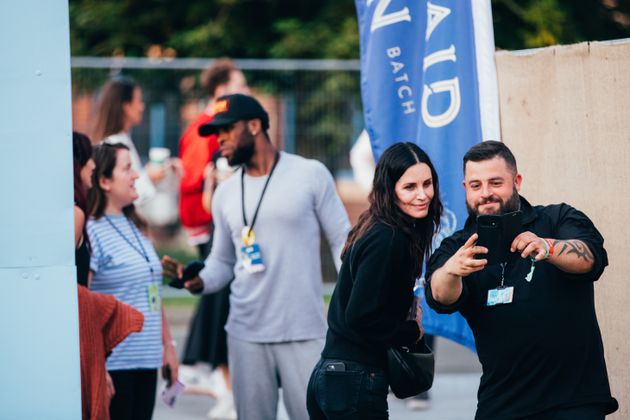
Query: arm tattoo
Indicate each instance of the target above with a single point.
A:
(573, 246)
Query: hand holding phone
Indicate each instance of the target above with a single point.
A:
(496, 233)
(190, 272)
(167, 374)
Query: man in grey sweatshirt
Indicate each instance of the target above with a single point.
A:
(267, 218)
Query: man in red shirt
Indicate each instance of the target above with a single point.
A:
(195, 152)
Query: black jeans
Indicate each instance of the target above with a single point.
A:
(340, 389)
(135, 394)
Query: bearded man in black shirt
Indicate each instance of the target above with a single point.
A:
(533, 316)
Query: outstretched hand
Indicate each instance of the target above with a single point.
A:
(463, 262)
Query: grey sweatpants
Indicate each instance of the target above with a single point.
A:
(258, 370)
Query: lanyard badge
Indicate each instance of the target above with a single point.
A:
(153, 290)
(252, 259)
(155, 302)
(250, 251)
(502, 294)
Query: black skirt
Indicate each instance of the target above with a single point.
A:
(207, 339)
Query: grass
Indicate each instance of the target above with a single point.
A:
(180, 302)
(191, 301)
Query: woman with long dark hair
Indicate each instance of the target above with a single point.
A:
(125, 264)
(83, 166)
(369, 309)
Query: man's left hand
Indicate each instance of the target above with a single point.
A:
(529, 245)
(194, 285)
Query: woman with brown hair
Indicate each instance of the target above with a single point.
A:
(124, 264)
(120, 108)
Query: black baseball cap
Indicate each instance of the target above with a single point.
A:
(229, 109)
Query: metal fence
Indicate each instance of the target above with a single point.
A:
(316, 103)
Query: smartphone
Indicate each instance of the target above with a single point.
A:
(496, 232)
(336, 367)
(171, 392)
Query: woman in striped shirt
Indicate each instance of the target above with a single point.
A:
(124, 264)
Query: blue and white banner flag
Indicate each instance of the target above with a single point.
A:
(428, 76)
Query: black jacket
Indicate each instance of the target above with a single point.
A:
(544, 350)
(374, 293)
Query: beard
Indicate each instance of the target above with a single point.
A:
(511, 204)
(245, 150)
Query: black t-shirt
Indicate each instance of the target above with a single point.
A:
(82, 261)
(544, 350)
(369, 307)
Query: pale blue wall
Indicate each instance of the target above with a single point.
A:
(39, 351)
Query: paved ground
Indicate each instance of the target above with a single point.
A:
(453, 396)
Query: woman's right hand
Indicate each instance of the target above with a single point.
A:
(210, 177)
(419, 321)
(110, 391)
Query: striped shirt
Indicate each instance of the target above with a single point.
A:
(120, 269)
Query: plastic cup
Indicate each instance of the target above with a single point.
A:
(159, 155)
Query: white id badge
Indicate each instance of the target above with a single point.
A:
(500, 296)
(252, 258)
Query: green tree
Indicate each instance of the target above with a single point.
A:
(211, 28)
(540, 23)
(307, 29)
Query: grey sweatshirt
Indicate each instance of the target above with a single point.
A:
(284, 302)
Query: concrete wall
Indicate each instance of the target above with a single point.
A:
(565, 113)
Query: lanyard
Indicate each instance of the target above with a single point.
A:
(140, 250)
(262, 194)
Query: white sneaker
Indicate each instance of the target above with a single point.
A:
(216, 383)
(224, 408)
(416, 404)
(196, 380)
(188, 375)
